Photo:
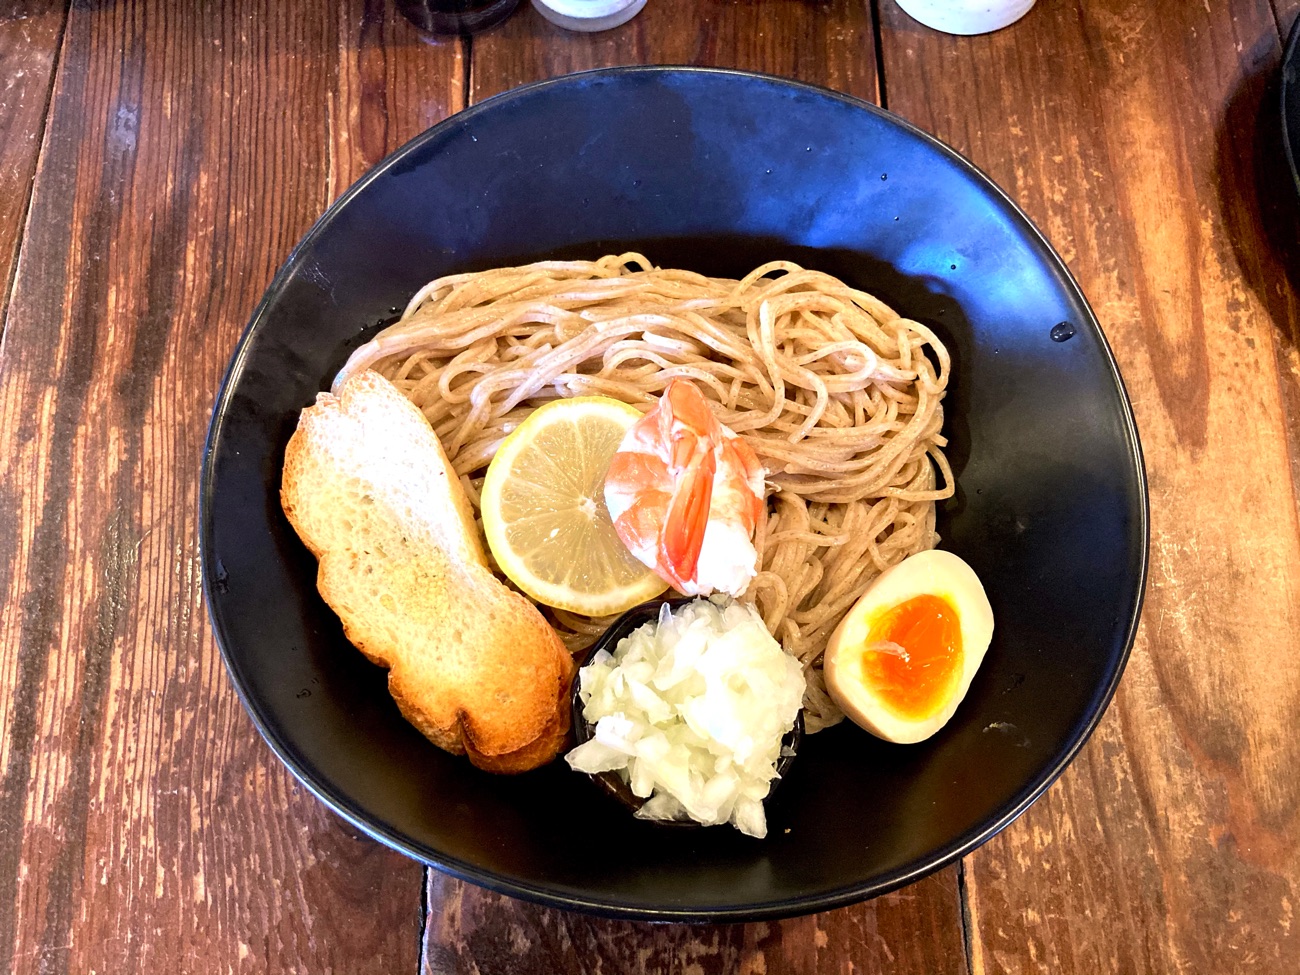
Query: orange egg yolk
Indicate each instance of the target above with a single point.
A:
(917, 685)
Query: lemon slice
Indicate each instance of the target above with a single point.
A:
(543, 507)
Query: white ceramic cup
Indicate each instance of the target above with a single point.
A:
(588, 15)
(966, 16)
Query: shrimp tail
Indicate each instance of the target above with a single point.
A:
(683, 530)
(671, 470)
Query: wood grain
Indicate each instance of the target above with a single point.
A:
(144, 826)
(30, 34)
(474, 932)
(1128, 133)
(392, 85)
(827, 42)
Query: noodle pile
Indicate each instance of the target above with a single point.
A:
(835, 392)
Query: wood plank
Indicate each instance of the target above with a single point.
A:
(30, 33)
(1286, 11)
(143, 824)
(1270, 216)
(474, 930)
(471, 931)
(393, 84)
(829, 43)
(1128, 131)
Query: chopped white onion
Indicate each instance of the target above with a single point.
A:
(690, 711)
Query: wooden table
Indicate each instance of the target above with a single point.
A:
(159, 158)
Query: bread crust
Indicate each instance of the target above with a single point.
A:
(472, 664)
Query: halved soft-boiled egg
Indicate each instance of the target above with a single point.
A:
(902, 659)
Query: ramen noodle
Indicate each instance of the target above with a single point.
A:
(840, 397)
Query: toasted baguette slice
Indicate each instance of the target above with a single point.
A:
(472, 664)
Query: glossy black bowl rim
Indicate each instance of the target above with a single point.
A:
(393, 838)
(1290, 102)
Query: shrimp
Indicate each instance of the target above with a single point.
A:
(686, 493)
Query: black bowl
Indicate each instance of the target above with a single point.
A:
(611, 783)
(716, 171)
(1290, 91)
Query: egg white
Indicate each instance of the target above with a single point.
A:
(934, 573)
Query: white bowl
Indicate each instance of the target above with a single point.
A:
(588, 15)
(965, 16)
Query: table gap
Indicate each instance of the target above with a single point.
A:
(16, 254)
